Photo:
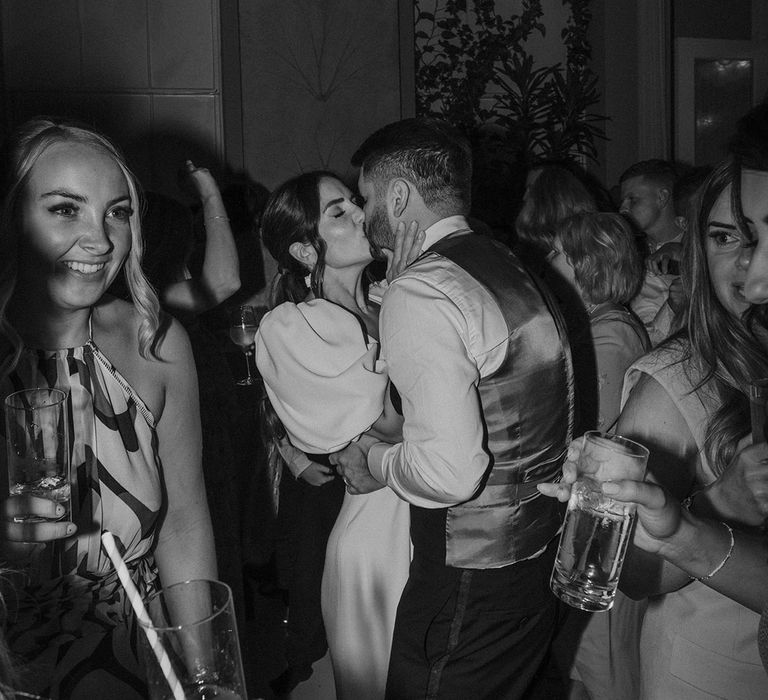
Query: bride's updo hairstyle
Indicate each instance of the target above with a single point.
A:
(291, 216)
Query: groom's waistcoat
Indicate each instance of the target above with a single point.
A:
(527, 406)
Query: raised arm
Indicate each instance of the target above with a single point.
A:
(185, 548)
(220, 277)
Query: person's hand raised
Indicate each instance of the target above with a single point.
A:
(203, 182)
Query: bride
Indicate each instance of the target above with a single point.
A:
(316, 351)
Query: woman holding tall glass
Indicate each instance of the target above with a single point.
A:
(69, 223)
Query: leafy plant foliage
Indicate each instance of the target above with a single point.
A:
(473, 70)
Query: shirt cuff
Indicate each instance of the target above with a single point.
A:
(296, 461)
(376, 457)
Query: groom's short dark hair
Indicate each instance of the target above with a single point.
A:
(428, 152)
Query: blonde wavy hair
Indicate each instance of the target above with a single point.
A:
(22, 151)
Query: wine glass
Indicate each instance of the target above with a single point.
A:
(242, 331)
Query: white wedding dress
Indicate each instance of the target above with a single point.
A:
(366, 567)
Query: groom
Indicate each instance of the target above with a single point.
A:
(480, 359)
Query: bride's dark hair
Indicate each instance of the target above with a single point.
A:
(291, 215)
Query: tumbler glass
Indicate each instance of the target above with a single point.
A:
(597, 528)
(37, 444)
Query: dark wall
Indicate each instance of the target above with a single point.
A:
(712, 19)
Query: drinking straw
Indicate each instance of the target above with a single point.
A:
(137, 604)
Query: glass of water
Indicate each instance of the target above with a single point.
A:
(597, 529)
(37, 444)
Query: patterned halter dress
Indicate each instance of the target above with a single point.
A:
(69, 624)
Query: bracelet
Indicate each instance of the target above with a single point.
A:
(211, 218)
(725, 558)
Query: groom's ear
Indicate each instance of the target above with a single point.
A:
(399, 196)
(305, 253)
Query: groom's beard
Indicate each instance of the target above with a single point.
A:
(379, 232)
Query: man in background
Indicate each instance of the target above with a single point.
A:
(647, 200)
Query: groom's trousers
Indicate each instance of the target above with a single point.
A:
(472, 634)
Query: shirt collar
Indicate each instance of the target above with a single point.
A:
(441, 229)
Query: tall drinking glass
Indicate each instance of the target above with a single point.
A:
(195, 624)
(758, 397)
(37, 444)
(596, 530)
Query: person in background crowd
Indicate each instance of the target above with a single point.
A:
(597, 254)
(647, 200)
(552, 194)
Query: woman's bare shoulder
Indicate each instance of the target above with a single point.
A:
(116, 332)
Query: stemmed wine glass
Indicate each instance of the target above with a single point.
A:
(242, 331)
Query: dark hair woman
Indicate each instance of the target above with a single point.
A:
(317, 354)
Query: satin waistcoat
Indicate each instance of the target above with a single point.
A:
(528, 409)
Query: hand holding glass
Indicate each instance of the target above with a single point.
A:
(37, 443)
(597, 528)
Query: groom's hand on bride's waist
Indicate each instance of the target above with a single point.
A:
(352, 464)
